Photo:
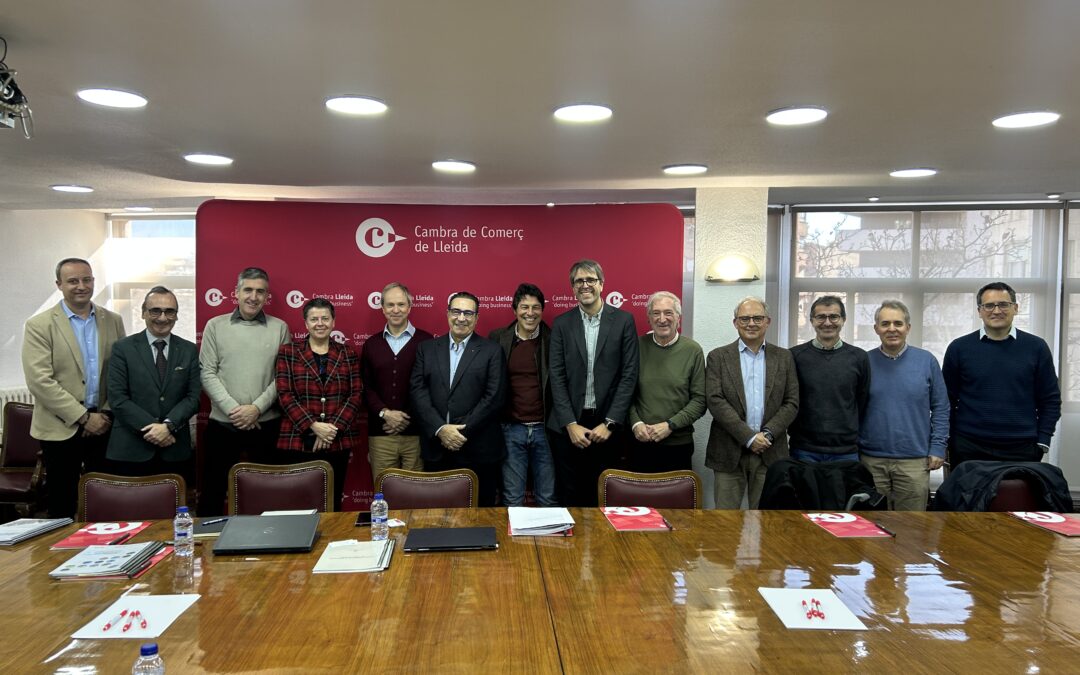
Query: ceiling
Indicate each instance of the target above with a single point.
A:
(912, 83)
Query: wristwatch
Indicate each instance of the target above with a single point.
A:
(610, 424)
(382, 414)
(169, 425)
(768, 435)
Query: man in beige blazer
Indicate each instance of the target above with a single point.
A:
(752, 391)
(65, 359)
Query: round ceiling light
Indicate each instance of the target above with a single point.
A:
(113, 98)
(453, 166)
(918, 172)
(138, 209)
(795, 115)
(873, 199)
(72, 188)
(685, 169)
(208, 160)
(583, 112)
(1026, 119)
(356, 105)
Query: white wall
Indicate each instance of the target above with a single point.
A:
(31, 243)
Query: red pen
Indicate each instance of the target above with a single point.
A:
(115, 620)
(142, 619)
(127, 624)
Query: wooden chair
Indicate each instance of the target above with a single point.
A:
(105, 497)
(254, 488)
(405, 489)
(20, 461)
(668, 490)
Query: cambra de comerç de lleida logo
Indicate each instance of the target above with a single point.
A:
(375, 237)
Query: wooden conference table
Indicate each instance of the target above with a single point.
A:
(951, 593)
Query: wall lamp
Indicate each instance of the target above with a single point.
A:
(732, 267)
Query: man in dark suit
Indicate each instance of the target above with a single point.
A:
(752, 391)
(458, 386)
(154, 390)
(594, 369)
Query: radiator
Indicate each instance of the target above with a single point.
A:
(20, 394)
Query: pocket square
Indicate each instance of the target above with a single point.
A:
(178, 368)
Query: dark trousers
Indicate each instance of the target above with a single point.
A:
(65, 461)
(338, 460)
(658, 457)
(185, 468)
(225, 445)
(488, 474)
(577, 470)
(963, 448)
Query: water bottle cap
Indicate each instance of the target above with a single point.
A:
(378, 496)
(148, 649)
(181, 509)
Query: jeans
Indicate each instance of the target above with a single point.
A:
(527, 446)
(808, 456)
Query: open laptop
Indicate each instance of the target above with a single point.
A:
(268, 534)
(431, 539)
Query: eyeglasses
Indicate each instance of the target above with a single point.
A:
(991, 306)
(158, 312)
(822, 318)
(588, 281)
(466, 313)
(747, 320)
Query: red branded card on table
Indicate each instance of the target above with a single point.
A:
(1048, 520)
(636, 519)
(95, 534)
(847, 525)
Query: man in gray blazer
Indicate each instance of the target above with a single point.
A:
(154, 390)
(593, 372)
(65, 357)
(752, 391)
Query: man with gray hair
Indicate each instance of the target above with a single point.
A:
(238, 356)
(670, 393)
(903, 434)
(753, 395)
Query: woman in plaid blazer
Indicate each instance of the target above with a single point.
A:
(318, 383)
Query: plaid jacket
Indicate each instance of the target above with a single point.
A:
(305, 399)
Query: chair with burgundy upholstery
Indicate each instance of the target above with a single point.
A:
(668, 490)
(254, 488)
(405, 489)
(20, 460)
(104, 497)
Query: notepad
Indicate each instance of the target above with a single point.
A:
(352, 555)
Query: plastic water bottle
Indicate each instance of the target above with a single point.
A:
(148, 663)
(380, 512)
(183, 526)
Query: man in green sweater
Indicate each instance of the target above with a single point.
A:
(670, 394)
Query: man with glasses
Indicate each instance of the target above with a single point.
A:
(594, 369)
(458, 387)
(753, 395)
(154, 390)
(1003, 387)
(65, 359)
(834, 383)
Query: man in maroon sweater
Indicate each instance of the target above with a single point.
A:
(385, 365)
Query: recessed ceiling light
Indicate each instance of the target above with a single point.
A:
(802, 114)
(685, 169)
(873, 199)
(1053, 195)
(72, 188)
(208, 160)
(453, 166)
(1026, 119)
(583, 112)
(112, 98)
(356, 105)
(550, 204)
(138, 209)
(920, 172)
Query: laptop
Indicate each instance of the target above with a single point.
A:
(268, 534)
(430, 539)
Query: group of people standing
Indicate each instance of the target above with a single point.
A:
(550, 407)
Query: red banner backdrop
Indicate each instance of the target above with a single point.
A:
(346, 253)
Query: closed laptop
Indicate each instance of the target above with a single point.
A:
(430, 539)
(268, 534)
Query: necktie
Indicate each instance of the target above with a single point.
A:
(160, 361)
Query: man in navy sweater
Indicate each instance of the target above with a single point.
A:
(1002, 385)
(902, 438)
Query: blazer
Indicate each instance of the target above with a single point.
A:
(505, 338)
(53, 366)
(306, 399)
(138, 397)
(615, 369)
(475, 398)
(726, 399)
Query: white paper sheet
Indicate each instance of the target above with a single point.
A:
(158, 610)
(788, 605)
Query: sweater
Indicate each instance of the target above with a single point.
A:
(670, 387)
(833, 388)
(1002, 390)
(237, 358)
(907, 414)
(386, 379)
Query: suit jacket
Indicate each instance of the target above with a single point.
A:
(306, 399)
(505, 338)
(475, 398)
(53, 367)
(726, 398)
(615, 369)
(138, 397)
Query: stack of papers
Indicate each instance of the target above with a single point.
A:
(123, 560)
(351, 555)
(540, 522)
(27, 528)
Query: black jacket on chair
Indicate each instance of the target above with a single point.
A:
(826, 486)
(973, 485)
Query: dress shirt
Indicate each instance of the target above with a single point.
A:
(753, 377)
(151, 339)
(398, 342)
(984, 336)
(456, 350)
(838, 345)
(86, 336)
(890, 356)
(592, 334)
(670, 344)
